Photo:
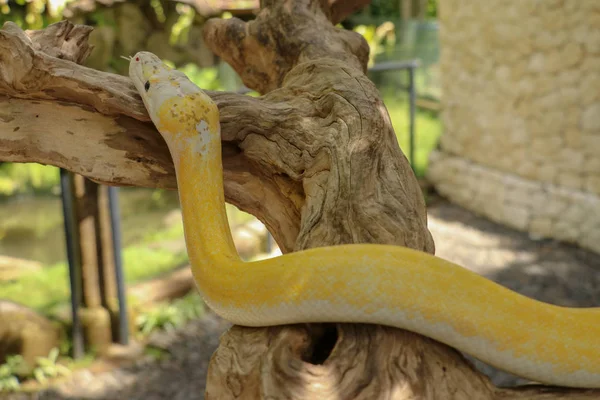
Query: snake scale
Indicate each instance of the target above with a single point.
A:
(360, 283)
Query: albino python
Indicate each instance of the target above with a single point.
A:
(362, 283)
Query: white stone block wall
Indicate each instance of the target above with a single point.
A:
(543, 209)
(521, 114)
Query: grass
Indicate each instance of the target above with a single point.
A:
(170, 315)
(144, 262)
(171, 233)
(428, 129)
(44, 290)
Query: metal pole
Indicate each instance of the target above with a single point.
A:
(113, 201)
(411, 129)
(394, 65)
(73, 260)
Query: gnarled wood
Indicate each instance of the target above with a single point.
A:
(315, 158)
(53, 111)
(291, 49)
(352, 361)
(322, 122)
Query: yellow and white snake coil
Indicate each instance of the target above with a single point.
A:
(362, 283)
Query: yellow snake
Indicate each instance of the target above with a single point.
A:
(361, 283)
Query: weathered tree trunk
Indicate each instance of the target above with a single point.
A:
(315, 158)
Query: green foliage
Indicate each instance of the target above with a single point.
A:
(19, 178)
(156, 353)
(7, 186)
(162, 317)
(102, 18)
(143, 262)
(181, 28)
(40, 290)
(9, 373)
(170, 316)
(159, 10)
(15, 369)
(380, 39)
(206, 78)
(49, 368)
(173, 232)
(148, 254)
(428, 129)
(432, 8)
(8, 383)
(32, 14)
(388, 8)
(49, 287)
(392, 8)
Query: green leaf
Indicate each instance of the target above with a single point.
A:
(39, 376)
(53, 356)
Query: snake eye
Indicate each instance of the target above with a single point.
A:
(147, 85)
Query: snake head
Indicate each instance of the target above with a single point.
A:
(175, 104)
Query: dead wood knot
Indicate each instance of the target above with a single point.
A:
(322, 338)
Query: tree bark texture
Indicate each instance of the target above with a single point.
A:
(315, 158)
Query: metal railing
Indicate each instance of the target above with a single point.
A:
(72, 239)
(410, 66)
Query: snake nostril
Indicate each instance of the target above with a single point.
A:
(323, 338)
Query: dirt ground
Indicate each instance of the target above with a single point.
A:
(543, 269)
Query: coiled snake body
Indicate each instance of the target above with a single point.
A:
(362, 283)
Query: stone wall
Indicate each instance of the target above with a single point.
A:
(521, 99)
